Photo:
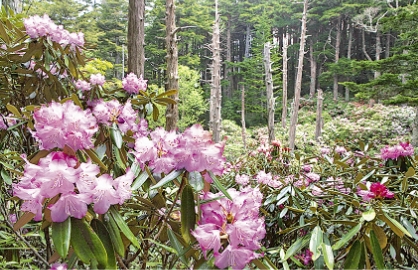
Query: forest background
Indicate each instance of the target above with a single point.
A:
(362, 49)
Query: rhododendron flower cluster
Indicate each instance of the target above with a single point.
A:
(193, 150)
(376, 191)
(82, 85)
(37, 26)
(232, 229)
(404, 149)
(97, 79)
(77, 186)
(108, 112)
(59, 124)
(132, 84)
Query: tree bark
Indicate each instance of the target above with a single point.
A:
(318, 129)
(136, 37)
(285, 71)
(378, 51)
(337, 57)
(387, 47)
(216, 95)
(363, 42)
(298, 86)
(228, 76)
(350, 45)
(172, 112)
(269, 90)
(312, 61)
(243, 129)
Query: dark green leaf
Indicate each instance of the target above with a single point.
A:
(219, 185)
(188, 214)
(377, 251)
(177, 246)
(6, 177)
(347, 237)
(297, 246)
(104, 236)
(115, 236)
(168, 178)
(140, 180)
(61, 235)
(123, 226)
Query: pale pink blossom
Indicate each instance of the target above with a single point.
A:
(82, 85)
(132, 84)
(97, 79)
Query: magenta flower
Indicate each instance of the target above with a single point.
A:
(132, 84)
(59, 124)
(59, 266)
(97, 79)
(3, 125)
(376, 191)
(404, 149)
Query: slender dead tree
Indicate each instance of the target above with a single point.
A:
(298, 84)
(284, 74)
(312, 61)
(136, 37)
(337, 57)
(215, 91)
(172, 112)
(269, 90)
(318, 129)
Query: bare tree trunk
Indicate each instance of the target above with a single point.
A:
(318, 130)
(363, 42)
(269, 90)
(298, 86)
(172, 112)
(215, 91)
(312, 60)
(350, 45)
(284, 99)
(228, 77)
(378, 51)
(415, 129)
(243, 129)
(387, 47)
(337, 57)
(136, 37)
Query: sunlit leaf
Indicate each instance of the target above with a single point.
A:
(188, 214)
(347, 237)
(377, 251)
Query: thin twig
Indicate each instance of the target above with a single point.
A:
(10, 225)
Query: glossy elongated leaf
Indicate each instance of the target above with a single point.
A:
(13, 110)
(6, 177)
(95, 158)
(23, 220)
(196, 181)
(86, 244)
(328, 253)
(297, 246)
(3, 34)
(177, 246)
(168, 178)
(410, 172)
(219, 185)
(381, 236)
(347, 237)
(315, 242)
(123, 226)
(377, 251)
(369, 215)
(394, 225)
(61, 235)
(115, 236)
(188, 215)
(167, 93)
(104, 236)
(116, 136)
(140, 180)
(354, 255)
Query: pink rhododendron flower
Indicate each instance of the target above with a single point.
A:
(3, 125)
(127, 118)
(59, 124)
(82, 85)
(37, 27)
(340, 150)
(236, 223)
(59, 266)
(376, 191)
(97, 79)
(305, 257)
(132, 84)
(404, 149)
(193, 150)
(76, 184)
(242, 179)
